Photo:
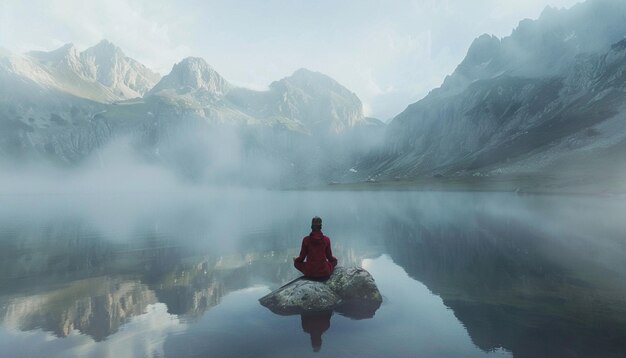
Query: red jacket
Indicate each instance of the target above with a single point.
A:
(319, 256)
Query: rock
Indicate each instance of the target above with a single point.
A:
(357, 289)
(301, 296)
(350, 291)
(354, 283)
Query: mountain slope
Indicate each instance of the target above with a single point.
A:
(108, 65)
(63, 106)
(101, 73)
(317, 101)
(520, 105)
(192, 74)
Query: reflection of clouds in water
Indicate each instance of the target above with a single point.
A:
(142, 336)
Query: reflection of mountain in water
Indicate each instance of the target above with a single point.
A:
(530, 274)
(191, 288)
(97, 296)
(96, 307)
(514, 286)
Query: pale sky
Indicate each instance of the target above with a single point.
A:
(390, 53)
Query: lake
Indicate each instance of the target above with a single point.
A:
(179, 274)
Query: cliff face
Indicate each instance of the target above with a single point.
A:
(527, 103)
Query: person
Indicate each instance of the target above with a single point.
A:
(320, 261)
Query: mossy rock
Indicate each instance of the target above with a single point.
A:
(301, 296)
(350, 291)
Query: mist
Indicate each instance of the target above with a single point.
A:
(161, 165)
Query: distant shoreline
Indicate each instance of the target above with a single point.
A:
(523, 184)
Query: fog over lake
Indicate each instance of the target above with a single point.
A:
(179, 273)
(162, 164)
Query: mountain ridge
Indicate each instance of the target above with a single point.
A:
(502, 113)
(102, 72)
(528, 104)
(192, 73)
(63, 107)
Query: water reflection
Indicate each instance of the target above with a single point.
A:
(521, 280)
(536, 276)
(96, 307)
(315, 324)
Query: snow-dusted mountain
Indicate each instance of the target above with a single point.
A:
(108, 65)
(548, 99)
(66, 105)
(308, 102)
(101, 73)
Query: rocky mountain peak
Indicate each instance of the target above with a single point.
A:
(66, 50)
(104, 49)
(104, 69)
(318, 101)
(193, 74)
(480, 57)
(107, 64)
(482, 49)
(64, 54)
(194, 64)
(65, 59)
(549, 11)
(312, 80)
(304, 73)
(543, 47)
(537, 86)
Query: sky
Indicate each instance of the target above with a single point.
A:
(390, 53)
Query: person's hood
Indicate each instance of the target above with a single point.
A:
(316, 234)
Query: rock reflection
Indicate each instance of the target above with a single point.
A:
(350, 292)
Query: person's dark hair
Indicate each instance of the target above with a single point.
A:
(316, 223)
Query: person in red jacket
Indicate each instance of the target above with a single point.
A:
(320, 261)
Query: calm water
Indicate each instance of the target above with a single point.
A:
(178, 274)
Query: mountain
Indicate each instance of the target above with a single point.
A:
(308, 102)
(317, 101)
(305, 115)
(192, 74)
(108, 65)
(546, 100)
(194, 89)
(66, 106)
(101, 73)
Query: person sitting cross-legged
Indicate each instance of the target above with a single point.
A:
(316, 258)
